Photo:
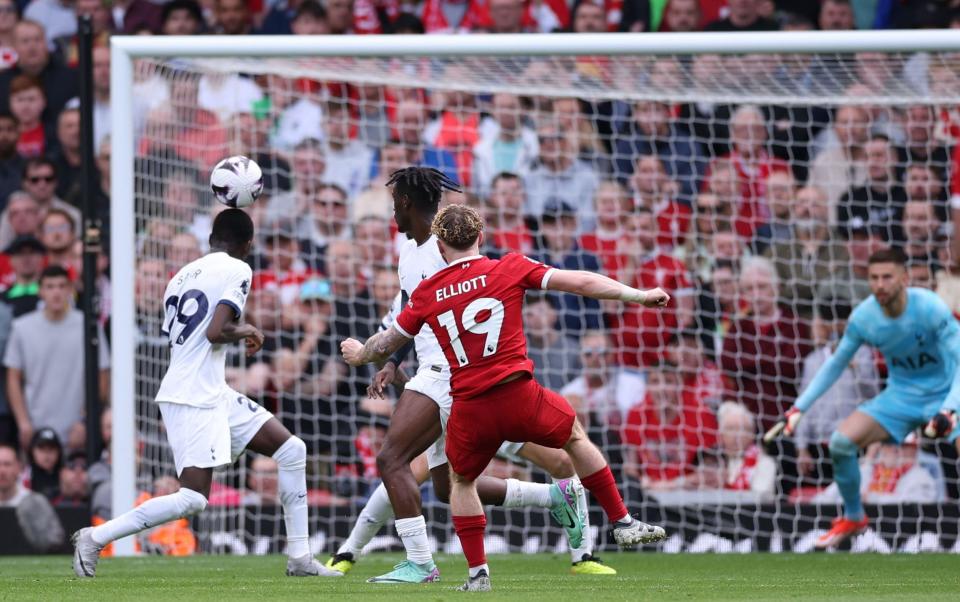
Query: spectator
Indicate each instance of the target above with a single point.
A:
(181, 18)
(653, 132)
(604, 391)
(24, 216)
(841, 166)
(510, 146)
(812, 256)
(506, 16)
(752, 163)
(558, 247)
(920, 272)
(554, 354)
(781, 193)
(101, 93)
(744, 16)
(922, 182)
(560, 176)
(858, 382)
(282, 14)
(921, 145)
(610, 204)
(448, 16)
(653, 190)
(285, 270)
(310, 19)
(226, 95)
(681, 16)
(232, 17)
(712, 216)
(134, 16)
(44, 360)
(58, 235)
(353, 311)
(376, 199)
(9, 17)
(743, 466)
(861, 243)
(59, 83)
(573, 116)
(707, 122)
(56, 17)
(27, 103)
(506, 230)
(920, 226)
(74, 488)
(643, 333)
(101, 20)
(717, 306)
(328, 221)
(308, 166)
(835, 15)
(371, 234)
(589, 16)
(11, 163)
(66, 161)
(890, 474)
(46, 459)
(26, 255)
(764, 348)
(340, 16)
(11, 492)
(666, 432)
(262, 483)
(348, 161)
(697, 373)
(410, 123)
(879, 202)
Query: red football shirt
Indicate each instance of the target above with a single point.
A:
(475, 308)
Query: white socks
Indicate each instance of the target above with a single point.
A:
(524, 493)
(291, 460)
(413, 533)
(374, 515)
(576, 554)
(476, 569)
(151, 513)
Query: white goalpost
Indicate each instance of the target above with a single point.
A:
(611, 75)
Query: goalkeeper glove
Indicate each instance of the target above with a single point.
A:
(941, 425)
(785, 426)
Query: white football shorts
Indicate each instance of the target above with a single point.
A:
(212, 437)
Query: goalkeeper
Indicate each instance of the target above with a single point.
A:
(920, 341)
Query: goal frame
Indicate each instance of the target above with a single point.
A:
(124, 49)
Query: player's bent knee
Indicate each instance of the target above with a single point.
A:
(562, 467)
(292, 454)
(191, 502)
(842, 446)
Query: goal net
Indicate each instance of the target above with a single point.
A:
(751, 186)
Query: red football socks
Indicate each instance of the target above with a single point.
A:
(470, 531)
(604, 488)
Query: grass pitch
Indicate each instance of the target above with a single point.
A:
(515, 577)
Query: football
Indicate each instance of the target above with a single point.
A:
(236, 181)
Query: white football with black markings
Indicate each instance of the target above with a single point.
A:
(236, 181)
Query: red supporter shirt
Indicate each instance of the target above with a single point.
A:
(513, 240)
(641, 332)
(666, 451)
(475, 308)
(605, 248)
(32, 142)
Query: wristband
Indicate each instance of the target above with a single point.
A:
(632, 295)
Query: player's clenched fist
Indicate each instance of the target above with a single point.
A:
(941, 425)
(352, 350)
(655, 297)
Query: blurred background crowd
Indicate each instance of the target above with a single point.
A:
(757, 218)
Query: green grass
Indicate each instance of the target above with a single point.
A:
(518, 577)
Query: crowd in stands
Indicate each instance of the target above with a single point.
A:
(758, 219)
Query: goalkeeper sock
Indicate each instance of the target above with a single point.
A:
(413, 534)
(291, 460)
(151, 513)
(604, 488)
(374, 515)
(576, 554)
(524, 493)
(470, 531)
(846, 473)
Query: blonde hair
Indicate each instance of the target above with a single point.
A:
(458, 226)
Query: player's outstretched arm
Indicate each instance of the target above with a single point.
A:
(224, 329)
(598, 286)
(377, 348)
